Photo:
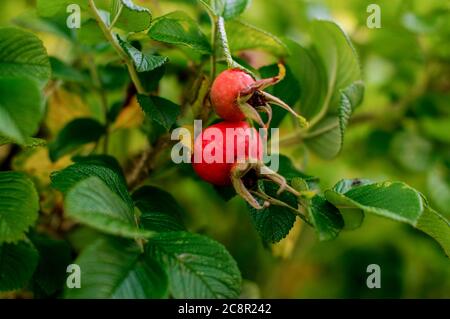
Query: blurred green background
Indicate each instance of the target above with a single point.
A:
(401, 132)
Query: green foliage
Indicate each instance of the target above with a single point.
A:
(115, 268)
(20, 114)
(54, 257)
(19, 206)
(130, 17)
(75, 134)
(179, 29)
(17, 264)
(198, 267)
(142, 62)
(226, 8)
(23, 55)
(243, 36)
(326, 219)
(159, 210)
(274, 222)
(396, 201)
(159, 110)
(131, 239)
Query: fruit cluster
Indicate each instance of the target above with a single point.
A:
(237, 157)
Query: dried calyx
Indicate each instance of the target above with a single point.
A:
(253, 100)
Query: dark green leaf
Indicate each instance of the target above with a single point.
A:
(159, 110)
(17, 264)
(274, 222)
(143, 62)
(117, 269)
(54, 257)
(19, 205)
(326, 218)
(179, 29)
(75, 134)
(65, 72)
(198, 267)
(159, 210)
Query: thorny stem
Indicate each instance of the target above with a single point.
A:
(214, 46)
(110, 37)
(224, 40)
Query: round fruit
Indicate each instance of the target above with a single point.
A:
(221, 146)
(225, 92)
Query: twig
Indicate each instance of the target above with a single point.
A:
(146, 162)
(110, 37)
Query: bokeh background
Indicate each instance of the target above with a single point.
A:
(401, 132)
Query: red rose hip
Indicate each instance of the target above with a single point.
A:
(221, 146)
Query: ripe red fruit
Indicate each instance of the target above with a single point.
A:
(225, 92)
(221, 146)
(236, 95)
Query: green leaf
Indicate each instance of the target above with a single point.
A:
(228, 9)
(288, 170)
(243, 36)
(339, 58)
(91, 35)
(96, 194)
(198, 267)
(54, 257)
(396, 201)
(62, 71)
(132, 18)
(327, 137)
(159, 110)
(117, 269)
(143, 62)
(19, 205)
(20, 114)
(93, 203)
(104, 167)
(17, 264)
(326, 218)
(76, 133)
(159, 210)
(179, 29)
(22, 54)
(49, 8)
(308, 68)
(274, 222)
(343, 87)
